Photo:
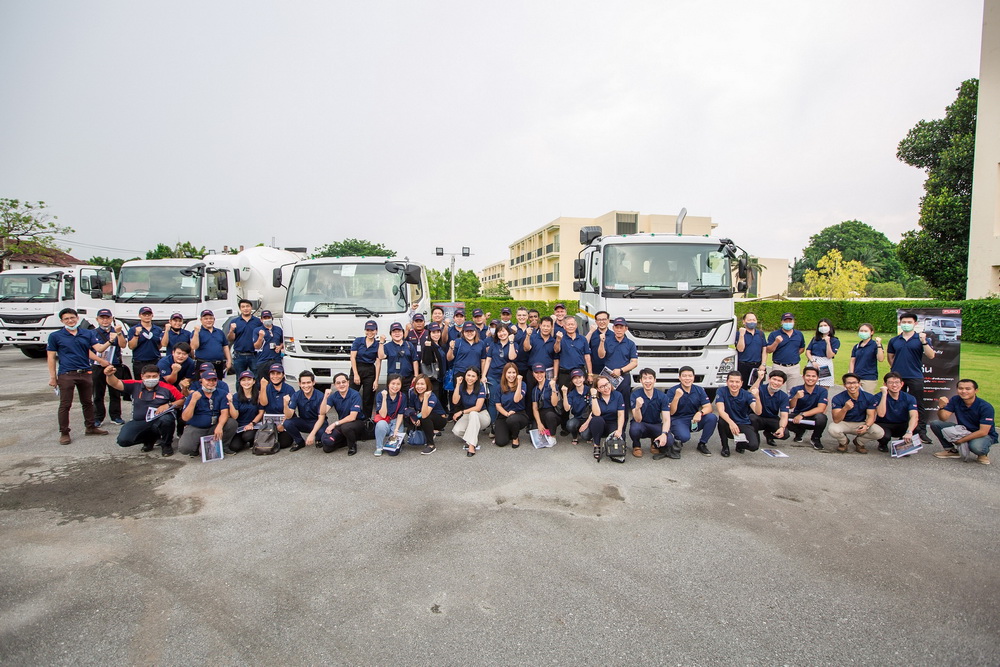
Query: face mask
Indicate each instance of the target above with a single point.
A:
(267, 323)
(751, 325)
(150, 383)
(207, 390)
(824, 329)
(864, 335)
(906, 327)
(176, 329)
(72, 327)
(788, 326)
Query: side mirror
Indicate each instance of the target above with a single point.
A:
(96, 294)
(236, 275)
(579, 269)
(742, 267)
(741, 286)
(579, 285)
(412, 273)
(276, 278)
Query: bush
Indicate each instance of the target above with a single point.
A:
(918, 289)
(890, 290)
(797, 289)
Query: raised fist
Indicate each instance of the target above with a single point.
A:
(942, 402)
(778, 339)
(639, 402)
(232, 326)
(109, 370)
(923, 337)
(559, 335)
(800, 393)
(848, 404)
(381, 339)
(743, 331)
(878, 340)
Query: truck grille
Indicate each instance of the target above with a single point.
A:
(334, 349)
(22, 319)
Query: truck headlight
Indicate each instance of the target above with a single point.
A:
(727, 365)
(290, 345)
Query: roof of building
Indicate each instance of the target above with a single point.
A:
(53, 257)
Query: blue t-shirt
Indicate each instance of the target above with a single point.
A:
(579, 402)
(787, 352)
(188, 369)
(507, 400)
(738, 407)
(897, 410)
(244, 338)
(499, 357)
(619, 354)
(690, 403)
(346, 404)
(273, 337)
(174, 337)
(817, 348)
(651, 406)
(246, 410)
(417, 403)
(207, 408)
(467, 401)
(972, 416)
(306, 408)
(862, 404)
(909, 356)
(865, 356)
(73, 350)
(754, 342)
(395, 405)
(102, 336)
(468, 355)
(148, 347)
(275, 398)
(609, 409)
(772, 405)
(573, 353)
(366, 354)
(399, 358)
(542, 351)
(211, 344)
(808, 400)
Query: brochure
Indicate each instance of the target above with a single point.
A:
(615, 381)
(898, 448)
(211, 448)
(775, 453)
(541, 439)
(275, 419)
(151, 413)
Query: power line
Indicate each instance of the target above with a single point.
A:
(97, 247)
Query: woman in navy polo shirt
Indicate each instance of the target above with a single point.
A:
(390, 403)
(500, 351)
(245, 409)
(210, 344)
(350, 422)
(865, 358)
(467, 352)
(425, 411)
(576, 404)
(470, 418)
(608, 408)
(274, 396)
(511, 417)
(822, 349)
(365, 365)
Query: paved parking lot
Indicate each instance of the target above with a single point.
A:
(521, 556)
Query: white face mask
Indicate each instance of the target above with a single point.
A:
(207, 390)
(151, 383)
(824, 329)
(267, 323)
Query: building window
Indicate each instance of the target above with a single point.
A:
(627, 223)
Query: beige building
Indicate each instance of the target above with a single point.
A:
(771, 280)
(492, 275)
(984, 232)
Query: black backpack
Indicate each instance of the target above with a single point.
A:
(266, 441)
(614, 449)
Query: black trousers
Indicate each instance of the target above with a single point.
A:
(367, 375)
(430, 423)
(114, 409)
(753, 442)
(344, 434)
(550, 419)
(893, 431)
(915, 387)
(767, 424)
(745, 368)
(507, 429)
(243, 440)
(818, 429)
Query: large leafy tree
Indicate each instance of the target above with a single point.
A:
(467, 284)
(945, 149)
(26, 229)
(353, 248)
(836, 278)
(185, 249)
(858, 242)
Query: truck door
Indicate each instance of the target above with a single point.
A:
(94, 290)
(220, 294)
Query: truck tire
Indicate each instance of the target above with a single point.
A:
(34, 351)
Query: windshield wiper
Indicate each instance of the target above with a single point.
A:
(38, 296)
(359, 309)
(172, 297)
(636, 289)
(7, 296)
(134, 297)
(702, 289)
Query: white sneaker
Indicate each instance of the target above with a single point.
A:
(378, 452)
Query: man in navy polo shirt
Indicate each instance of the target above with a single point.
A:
(559, 318)
(178, 368)
(854, 416)
(455, 330)
(786, 345)
(599, 332)
(144, 340)
(482, 326)
(149, 393)
(808, 402)
(302, 412)
(773, 417)
(241, 337)
(972, 412)
(650, 416)
(209, 344)
(541, 348)
(897, 412)
(620, 356)
(750, 352)
(418, 332)
(505, 317)
(206, 412)
(906, 352)
(74, 349)
(175, 333)
(268, 344)
(737, 409)
(110, 341)
(400, 356)
(690, 411)
(573, 351)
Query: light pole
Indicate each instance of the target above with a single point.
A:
(440, 253)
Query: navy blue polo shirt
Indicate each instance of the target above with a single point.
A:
(817, 348)
(808, 400)
(897, 410)
(273, 337)
(399, 358)
(973, 416)
(522, 355)
(244, 338)
(366, 354)
(346, 404)
(772, 405)
(196, 386)
(787, 352)
(143, 399)
(865, 355)
(909, 359)
(246, 410)
(148, 347)
(507, 400)
(182, 336)
(862, 404)
(73, 350)
(609, 409)
(542, 395)
(754, 342)
(102, 336)
(542, 351)
(468, 400)
(275, 398)
(738, 407)
(468, 355)
(651, 406)
(188, 369)
(691, 402)
(573, 353)
(417, 403)
(619, 354)
(207, 408)
(306, 407)
(211, 344)
(499, 358)
(395, 405)
(579, 402)
(595, 342)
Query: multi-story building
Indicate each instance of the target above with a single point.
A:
(492, 275)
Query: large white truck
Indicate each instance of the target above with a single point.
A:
(214, 282)
(330, 299)
(30, 301)
(675, 291)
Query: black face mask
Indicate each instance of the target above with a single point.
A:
(176, 329)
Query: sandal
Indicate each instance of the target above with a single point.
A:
(470, 450)
(576, 441)
(597, 452)
(515, 444)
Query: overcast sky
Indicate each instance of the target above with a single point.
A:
(418, 124)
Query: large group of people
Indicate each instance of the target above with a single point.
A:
(499, 379)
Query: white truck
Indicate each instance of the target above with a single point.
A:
(214, 282)
(330, 299)
(675, 291)
(30, 301)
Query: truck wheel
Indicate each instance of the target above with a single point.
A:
(34, 351)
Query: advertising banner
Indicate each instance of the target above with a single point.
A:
(943, 327)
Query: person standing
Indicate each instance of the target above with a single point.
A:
(175, 333)
(976, 415)
(541, 348)
(786, 345)
(737, 408)
(499, 352)
(573, 352)
(210, 345)
(144, 340)
(481, 323)
(400, 356)
(897, 412)
(74, 349)
(467, 352)
(750, 353)
(906, 357)
(821, 351)
(110, 341)
(178, 368)
(559, 318)
(365, 366)
(854, 415)
(865, 358)
(808, 402)
(241, 337)
(268, 345)
(620, 356)
(650, 416)
(595, 337)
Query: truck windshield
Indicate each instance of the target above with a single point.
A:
(643, 269)
(28, 287)
(157, 284)
(345, 288)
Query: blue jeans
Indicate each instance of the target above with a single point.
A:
(681, 427)
(639, 430)
(383, 430)
(296, 426)
(136, 431)
(493, 399)
(979, 446)
(243, 362)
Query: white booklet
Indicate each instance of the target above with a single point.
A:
(898, 448)
(775, 453)
(211, 448)
(151, 413)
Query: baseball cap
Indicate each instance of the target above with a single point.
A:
(371, 324)
(576, 373)
(207, 312)
(505, 311)
(559, 305)
(619, 320)
(494, 323)
(477, 312)
(469, 326)
(104, 312)
(395, 326)
(205, 366)
(276, 368)
(459, 313)
(538, 368)
(209, 375)
(788, 316)
(145, 310)
(418, 317)
(266, 313)
(177, 316)
(434, 326)
(246, 374)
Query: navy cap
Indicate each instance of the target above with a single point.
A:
(177, 316)
(266, 313)
(395, 326)
(538, 368)
(788, 316)
(207, 312)
(418, 317)
(477, 312)
(469, 326)
(209, 375)
(505, 311)
(619, 320)
(459, 313)
(205, 365)
(246, 374)
(576, 373)
(104, 312)
(559, 305)
(276, 368)
(145, 310)
(434, 326)
(371, 324)
(494, 323)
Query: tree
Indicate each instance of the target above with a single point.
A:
(944, 148)
(889, 290)
(500, 291)
(185, 249)
(114, 264)
(918, 289)
(353, 248)
(467, 284)
(836, 278)
(856, 241)
(26, 229)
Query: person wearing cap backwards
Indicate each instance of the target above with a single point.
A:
(175, 333)
(210, 344)
(245, 409)
(786, 345)
(147, 393)
(206, 412)
(241, 337)
(650, 416)
(479, 318)
(302, 412)
(541, 348)
(573, 350)
(178, 368)
(74, 348)
(349, 424)
(366, 366)
(110, 341)
(269, 343)
(400, 356)
(559, 318)
(544, 401)
(620, 356)
(144, 340)
(467, 352)
(274, 395)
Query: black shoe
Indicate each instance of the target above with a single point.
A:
(167, 451)
(661, 455)
(703, 449)
(563, 432)
(770, 441)
(740, 448)
(352, 450)
(146, 448)
(797, 438)
(817, 445)
(725, 450)
(296, 446)
(428, 449)
(883, 447)
(674, 452)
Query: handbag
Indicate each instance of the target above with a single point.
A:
(266, 441)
